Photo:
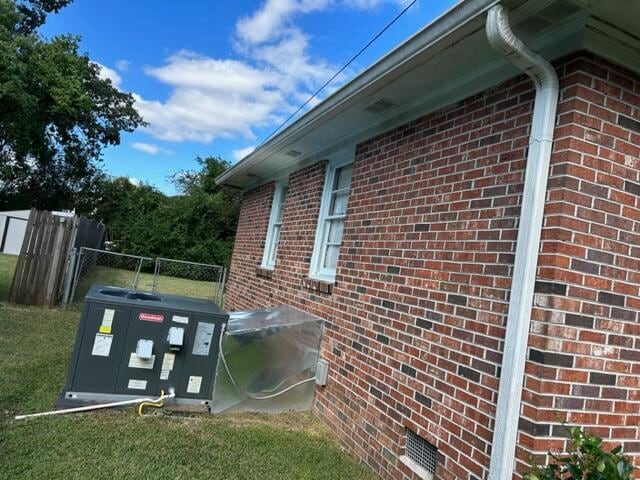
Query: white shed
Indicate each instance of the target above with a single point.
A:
(13, 225)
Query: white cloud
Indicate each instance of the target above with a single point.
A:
(240, 153)
(150, 148)
(265, 23)
(211, 98)
(107, 73)
(134, 181)
(220, 97)
(123, 65)
(268, 21)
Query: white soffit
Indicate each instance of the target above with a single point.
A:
(452, 65)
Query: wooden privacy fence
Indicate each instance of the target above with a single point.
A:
(40, 270)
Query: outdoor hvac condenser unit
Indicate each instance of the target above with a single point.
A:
(133, 344)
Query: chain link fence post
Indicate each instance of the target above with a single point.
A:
(156, 270)
(76, 274)
(221, 287)
(69, 275)
(134, 285)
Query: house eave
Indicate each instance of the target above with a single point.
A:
(460, 14)
(432, 62)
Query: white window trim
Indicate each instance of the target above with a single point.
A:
(268, 244)
(316, 271)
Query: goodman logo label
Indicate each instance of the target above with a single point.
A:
(151, 317)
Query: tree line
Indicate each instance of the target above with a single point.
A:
(57, 115)
(197, 225)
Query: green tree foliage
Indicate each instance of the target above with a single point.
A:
(197, 225)
(586, 460)
(56, 113)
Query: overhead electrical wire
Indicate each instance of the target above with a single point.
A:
(342, 69)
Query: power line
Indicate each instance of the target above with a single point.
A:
(342, 69)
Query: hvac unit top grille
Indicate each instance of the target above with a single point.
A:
(380, 106)
(421, 452)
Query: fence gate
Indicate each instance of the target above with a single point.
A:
(43, 260)
(40, 267)
(108, 268)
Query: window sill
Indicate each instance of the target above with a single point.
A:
(415, 468)
(322, 286)
(264, 272)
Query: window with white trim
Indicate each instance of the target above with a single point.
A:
(331, 221)
(275, 223)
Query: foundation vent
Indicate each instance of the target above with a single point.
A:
(421, 452)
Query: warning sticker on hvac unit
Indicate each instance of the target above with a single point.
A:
(194, 384)
(167, 365)
(136, 362)
(102, 345)
(204, 336)
(151, 317)
(107, 320)
(179, 319)
(137, 384)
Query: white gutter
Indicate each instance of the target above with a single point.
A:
(545, 80)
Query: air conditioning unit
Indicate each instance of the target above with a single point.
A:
(133, 344)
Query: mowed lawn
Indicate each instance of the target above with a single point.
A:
(35, 346)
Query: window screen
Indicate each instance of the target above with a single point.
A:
(275, 224)
(331, 222)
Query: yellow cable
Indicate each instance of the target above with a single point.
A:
(141, 405)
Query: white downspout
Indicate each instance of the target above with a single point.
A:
(545, 79)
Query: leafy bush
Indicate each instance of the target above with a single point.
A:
(197, 225)
(585, 461)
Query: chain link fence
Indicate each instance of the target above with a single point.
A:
(190, 279)
(162, 275)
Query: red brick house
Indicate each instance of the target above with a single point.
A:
(465, 216)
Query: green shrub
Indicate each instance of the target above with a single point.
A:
(586, 460)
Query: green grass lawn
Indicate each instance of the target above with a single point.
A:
(7, 267)
(35, 345)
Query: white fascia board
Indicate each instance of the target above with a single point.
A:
(460, 87)
(457, 16)
(607, 41)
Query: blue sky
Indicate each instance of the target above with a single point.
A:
(216, 77)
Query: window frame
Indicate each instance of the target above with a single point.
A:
(277, 203)
(316, 270)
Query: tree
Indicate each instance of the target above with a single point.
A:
(208, 212)
(197, 225)
(56, 113)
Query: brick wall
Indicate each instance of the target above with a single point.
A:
(585, 343)
(415, 320)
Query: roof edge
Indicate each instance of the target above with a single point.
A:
(455, 17)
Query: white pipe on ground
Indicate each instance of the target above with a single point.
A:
(545, 79)
(87, 408)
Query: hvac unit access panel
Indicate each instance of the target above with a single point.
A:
(142, 347)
